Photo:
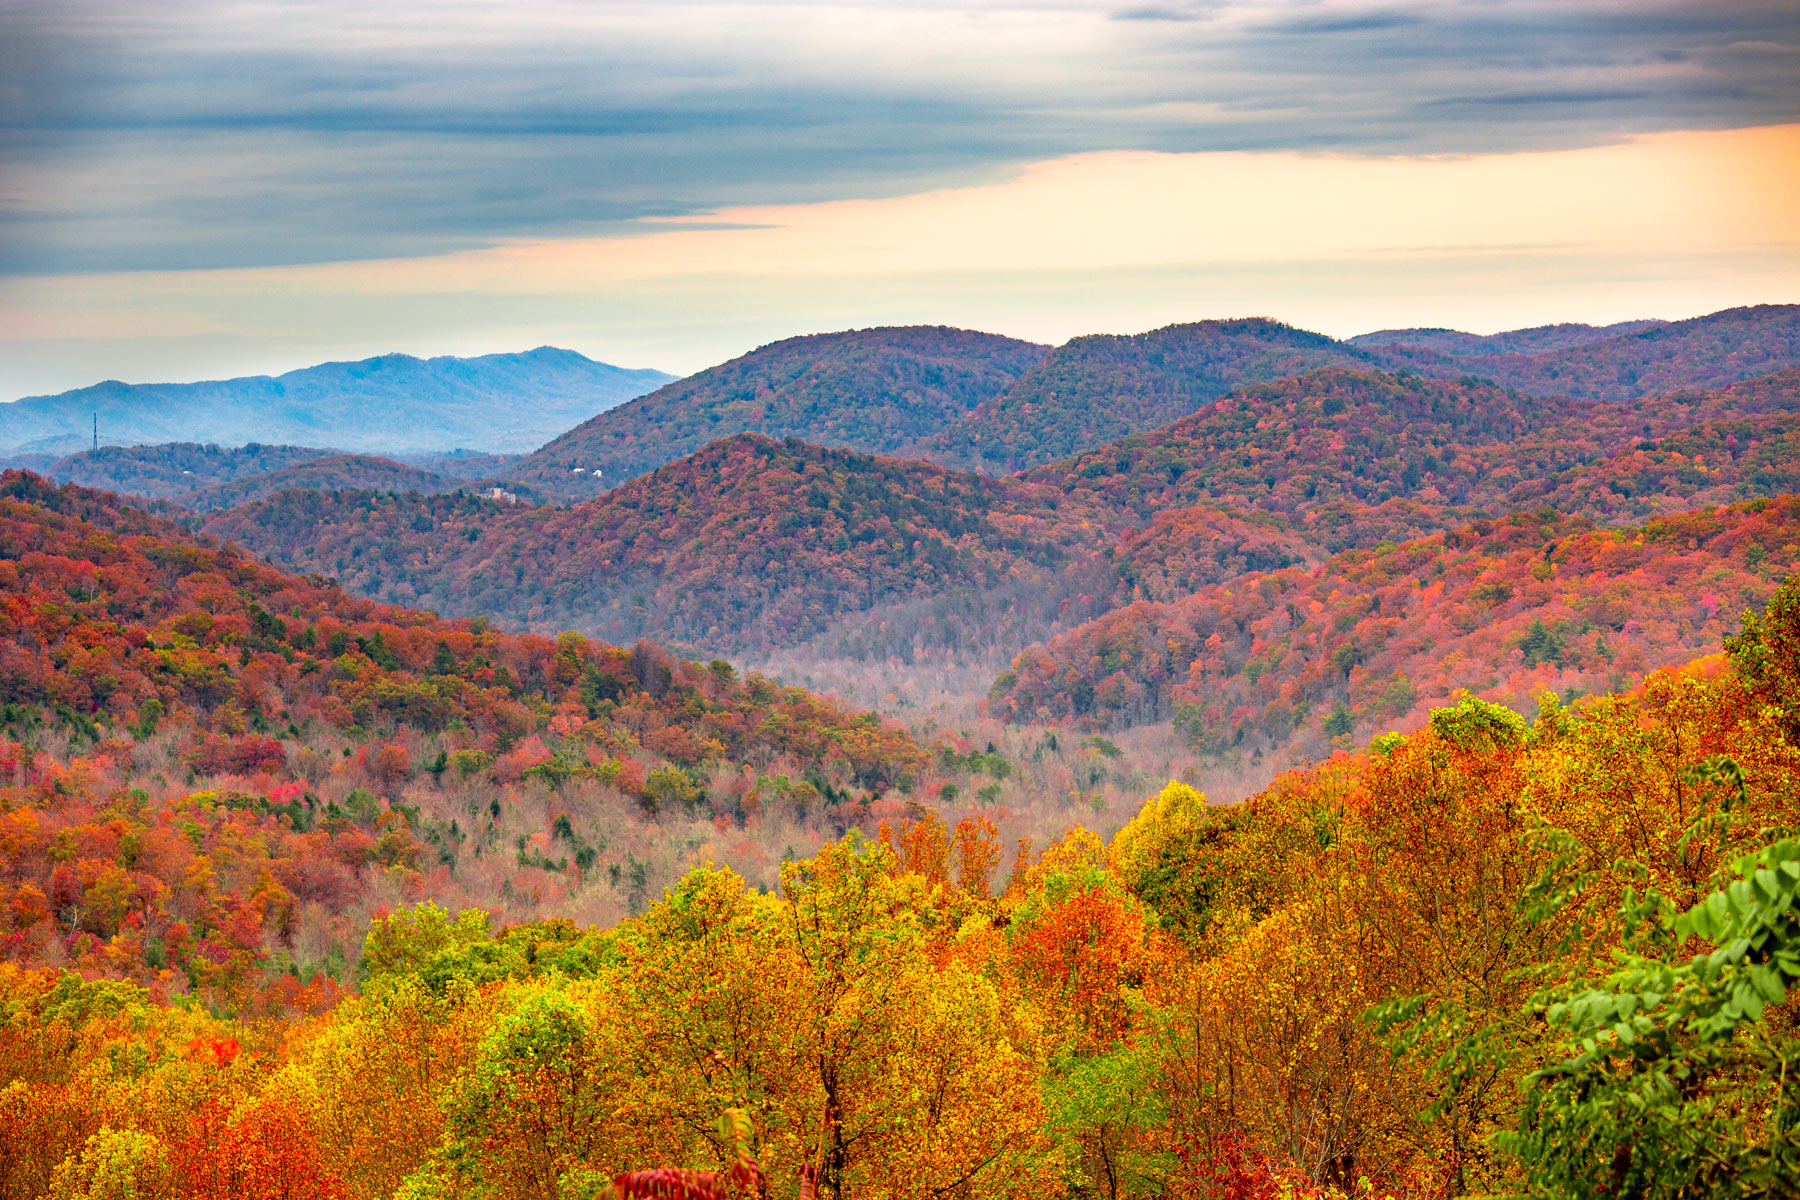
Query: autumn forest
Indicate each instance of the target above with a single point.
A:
(1220, 763)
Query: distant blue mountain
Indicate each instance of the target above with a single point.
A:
(394, 404)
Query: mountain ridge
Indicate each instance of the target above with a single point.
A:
(883, 390)
(390, 403)
(1709, 351)
(749, 542)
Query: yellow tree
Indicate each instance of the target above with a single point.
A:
(923, 1078)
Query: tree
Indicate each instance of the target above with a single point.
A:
(1766, 654)
(977, 853)
(1679, 1077)
(115, 1164)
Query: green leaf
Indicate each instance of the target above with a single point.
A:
(1767, 984)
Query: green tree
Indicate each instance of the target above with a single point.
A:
(1679, 1079)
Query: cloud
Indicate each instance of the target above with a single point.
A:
(214, 135)
(1667, 225)
(1154, 14)
(1346, 22)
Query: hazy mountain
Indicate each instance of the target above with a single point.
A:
(388, 405)
(884, 391)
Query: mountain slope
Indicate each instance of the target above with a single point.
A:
(391, 404)
(749, 543)
(1716, 462)
(1506, 609)
(212, 767)
(1184, 549)
(333, 472)
(105, 609)
(1302, 446)
(172, 469)
(1539, 339)
(883, 391)
(1300, 443)
(1093, 390)
(1705, 352)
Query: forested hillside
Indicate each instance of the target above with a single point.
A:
(172, 469)
(1303, 442)
(750, 543)
(1184, 549)
(1705, 352)
(281, 758)
(1300, 445)
(1468, 961)
(331, 472)
(1093, 390)
(1373, 639)
(882, 391)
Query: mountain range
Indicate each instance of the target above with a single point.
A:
(388, 405)
(925, 494)
(882, 391)
(314, 762)
(962, 399)
(754, 546)
(977, 402)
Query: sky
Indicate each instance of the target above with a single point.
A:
(193, 190)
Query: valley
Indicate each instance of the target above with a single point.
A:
(1092, 677)
(944, 600)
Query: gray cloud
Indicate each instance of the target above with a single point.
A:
(1313, 24)
(193, 135)
(1154, 14)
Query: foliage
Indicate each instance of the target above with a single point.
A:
(1391, 632)
(1676, 1085)
(1333, 990)
(713, 549)
(1095, 389)
(212, 774)
(1703, 352)
(881, 391)
(1766, 653)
